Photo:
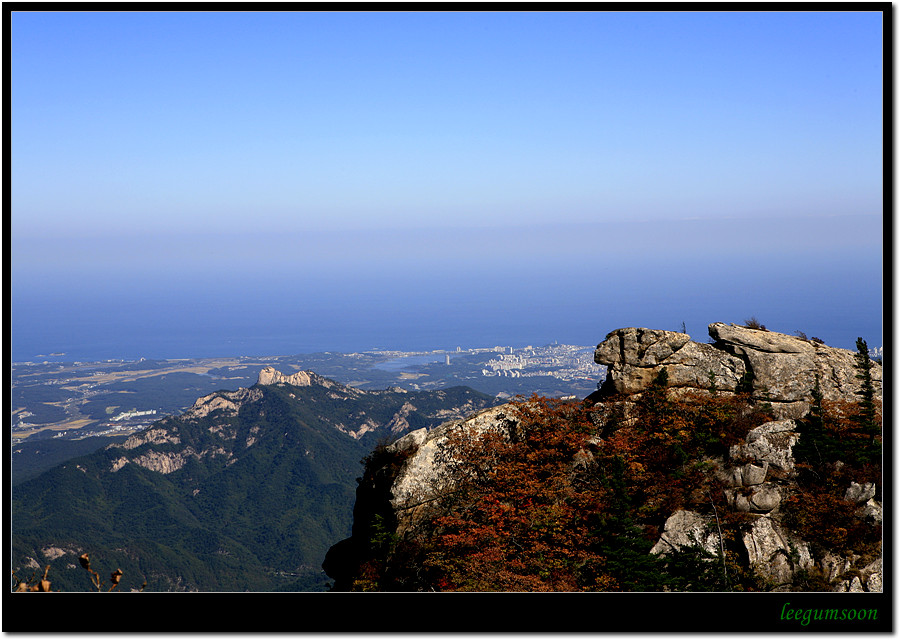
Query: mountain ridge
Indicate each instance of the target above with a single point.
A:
(244, 490)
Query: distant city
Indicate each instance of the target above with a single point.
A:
(566, 362)
(563, 361)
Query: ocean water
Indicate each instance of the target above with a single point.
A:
(179, 324)
(256, 314)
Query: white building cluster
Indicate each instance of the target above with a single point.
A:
(128, 415)
(566, 362)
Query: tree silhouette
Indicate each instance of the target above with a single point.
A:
(868, 415)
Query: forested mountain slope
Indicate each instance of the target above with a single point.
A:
(245, 491)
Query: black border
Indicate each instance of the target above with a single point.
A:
(444, 612)
(594, 613)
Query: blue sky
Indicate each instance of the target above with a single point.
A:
(155, 146)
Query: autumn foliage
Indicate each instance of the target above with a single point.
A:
(522, 514)
(568, 497)
(840, 443)
(571, 496)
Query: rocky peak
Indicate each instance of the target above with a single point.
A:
(270, 375)
(780, 368)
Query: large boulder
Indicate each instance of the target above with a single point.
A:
(771, 443)
(685, 529)
(779, 368)
(773, 553)
(430, 470)
(757, 499)
(634, 357)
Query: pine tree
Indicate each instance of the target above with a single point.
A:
(868, 418)
(815, 445)
(620, 540)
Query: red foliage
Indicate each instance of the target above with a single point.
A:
(535, 499)
(521, 526)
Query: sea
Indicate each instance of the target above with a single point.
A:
(443, 297)
(286, 317)
(182, 324)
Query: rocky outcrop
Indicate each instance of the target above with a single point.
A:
(776, 367)
(271, 376)
(770, 443)
(864, 496)
(166, 462)
(774, 553)
(429, 470)
(757, 477)
(229, 402)
(685, 529)
(399, 422)
(153, 435)
(419, 470)
(634, 357)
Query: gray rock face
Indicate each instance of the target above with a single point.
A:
(759, 499)
(430, 472)
(860, 493)
(870, 577)
(864, 496)
(758, 339)
(635, 356)
(769, 549)
(168, 461)
(229, 402)
(873, 511)
(152, 436)
(783, 367)
(685, 529)
(770, 443)
(874, 578)
(754, 474)
(746, 475)
(271, 376)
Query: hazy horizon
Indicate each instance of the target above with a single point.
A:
(205, 182)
